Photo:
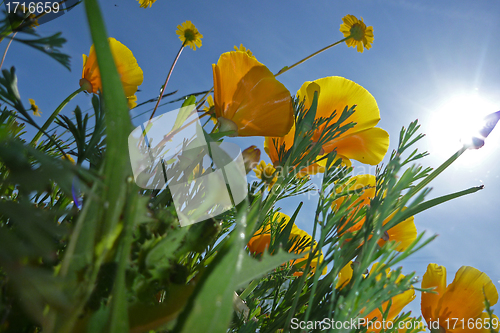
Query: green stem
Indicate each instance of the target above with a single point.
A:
(166, 81)
(436, 172)
(6, 49)
(119, 316)
(202, 100)
(54, 115)
(249, 289)
(285, 69)
(318, 248)
(437, 201)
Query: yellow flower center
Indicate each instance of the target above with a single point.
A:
(190, 35)
(268, 174)
(357, 32)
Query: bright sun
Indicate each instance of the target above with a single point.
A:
(455, 122)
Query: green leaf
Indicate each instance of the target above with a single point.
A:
(9, 93)
(311, 113)
(403, 215)
(119, 300)
(118, 125)
(164, 249)
(253, 269)
(50, 46)
(187, 109)
(210, 308)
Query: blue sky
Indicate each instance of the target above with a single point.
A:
(435, 61)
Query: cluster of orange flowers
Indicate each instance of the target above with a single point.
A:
(248, 100)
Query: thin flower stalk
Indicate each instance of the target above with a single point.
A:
(287, 68)
(166, 80)
(55, 114)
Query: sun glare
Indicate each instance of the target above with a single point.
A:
(455, 122)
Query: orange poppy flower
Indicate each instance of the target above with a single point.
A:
(398, 302)
(460, 306)
(261, 241)
(364, 142)
(404, 233)
(248, 99)
(130, 73)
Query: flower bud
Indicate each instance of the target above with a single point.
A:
(86, 85)
(251, 157)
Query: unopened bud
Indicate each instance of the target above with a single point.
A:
(86, 85)
(251, 157)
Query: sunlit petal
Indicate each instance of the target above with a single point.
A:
(345, 275)
(435, 276)
(368, 147)
(464, 297)
(131, 74)
(403, 233)
(335, 94)
(247, 93)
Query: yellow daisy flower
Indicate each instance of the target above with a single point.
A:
(130, 73)
(266, 172)
(363, 142)
(189, 35)
(146, 3)
(209, 108)
(244, 49)
(361, 36)
(34, 107)
(262, 240)
(248, 98)
(458, 307)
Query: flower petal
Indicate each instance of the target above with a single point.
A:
(369, 146)
(272, 144)
(435, 276)
(464, 296)
(130, 73)
(246, 92)
(259, 243)
(398, 303)
(262, 237)
(336, 93)
(404, 233)
(478, 325)
(345, 275)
